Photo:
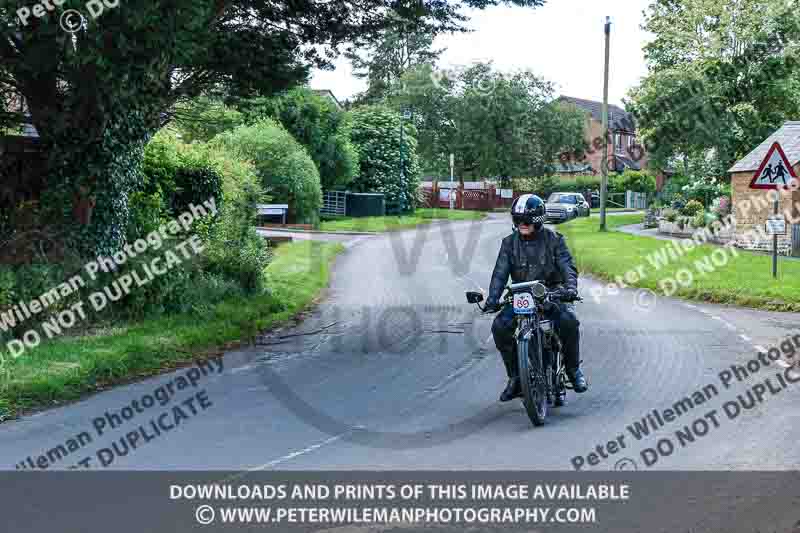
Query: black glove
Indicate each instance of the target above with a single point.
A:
(568, 294)
(491, 306)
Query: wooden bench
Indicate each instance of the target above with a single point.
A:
(273, 210)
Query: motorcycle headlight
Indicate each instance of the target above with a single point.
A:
(538, 290)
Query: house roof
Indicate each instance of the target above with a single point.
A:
(618, 118)
(327, 94)
(787, 135)
(622, 162)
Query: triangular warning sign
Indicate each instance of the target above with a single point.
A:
(775, 171)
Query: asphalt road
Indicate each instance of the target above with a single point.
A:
(394, 370)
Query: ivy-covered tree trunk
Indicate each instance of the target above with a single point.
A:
(89, 183)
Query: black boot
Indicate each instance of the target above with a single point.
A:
(578, 380)
(513, 388)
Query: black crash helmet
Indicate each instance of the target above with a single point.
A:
(529, 209)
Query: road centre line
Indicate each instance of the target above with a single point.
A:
(298, 453)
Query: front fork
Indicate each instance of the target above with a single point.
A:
(527, 324)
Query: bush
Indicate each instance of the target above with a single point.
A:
(318, 125)
(179, 174)
(283, 165)
(672, 188)
(634, 180)
(542, 186)
(147, 213)
(591, 183)
(670, 215)
(195, 184)
(160, 163)
(678, 202)
(699, 220)
(165, 294)
(692, 208)
(376, 135)
(234, 250)
(705, 190)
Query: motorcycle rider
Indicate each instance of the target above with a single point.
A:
(533, 252)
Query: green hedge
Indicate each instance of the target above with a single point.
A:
(376, 135)
(286, 170)
(545, 185)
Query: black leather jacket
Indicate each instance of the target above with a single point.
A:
(544, 257)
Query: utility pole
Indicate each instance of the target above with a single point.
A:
(604, 164)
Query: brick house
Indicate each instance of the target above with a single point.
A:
(751, 215)
(624, 151)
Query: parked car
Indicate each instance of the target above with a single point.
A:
(563, 206)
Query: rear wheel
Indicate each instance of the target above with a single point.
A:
(533, 379)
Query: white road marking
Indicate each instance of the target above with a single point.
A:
(298, 453)
(242, 368)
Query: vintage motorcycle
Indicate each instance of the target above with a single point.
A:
(543, 376)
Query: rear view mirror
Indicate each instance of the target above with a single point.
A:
(474, 297)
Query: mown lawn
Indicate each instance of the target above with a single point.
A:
(744, 280)
(66, 369)
(393, 223)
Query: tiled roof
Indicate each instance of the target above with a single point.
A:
(618, 118)
(787, 135)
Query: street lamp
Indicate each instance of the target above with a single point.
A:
(406, 115)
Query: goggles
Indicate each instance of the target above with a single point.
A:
(527, 219)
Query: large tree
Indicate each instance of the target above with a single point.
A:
(723, 74)
(96, 95)
(385, 62)
(496, 124)
(319, 125)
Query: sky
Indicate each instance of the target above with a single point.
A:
(561, 42)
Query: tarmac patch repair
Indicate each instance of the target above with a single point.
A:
(147, 431)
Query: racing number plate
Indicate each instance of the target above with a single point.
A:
(523, 303)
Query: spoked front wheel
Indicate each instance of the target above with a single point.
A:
(533, 378)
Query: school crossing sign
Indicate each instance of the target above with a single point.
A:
(775, 171)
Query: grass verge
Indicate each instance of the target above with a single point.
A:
(394, 223)
(66, 369)
(744, 279)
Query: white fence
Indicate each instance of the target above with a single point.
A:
(635, 200)
(334, 203)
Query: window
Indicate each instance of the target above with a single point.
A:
(630, 141)
(617, 140)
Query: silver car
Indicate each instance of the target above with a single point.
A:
(563, 206)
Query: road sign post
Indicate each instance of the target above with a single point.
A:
(775, 246)
(774, 173)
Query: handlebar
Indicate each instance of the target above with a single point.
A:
(550, 295)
